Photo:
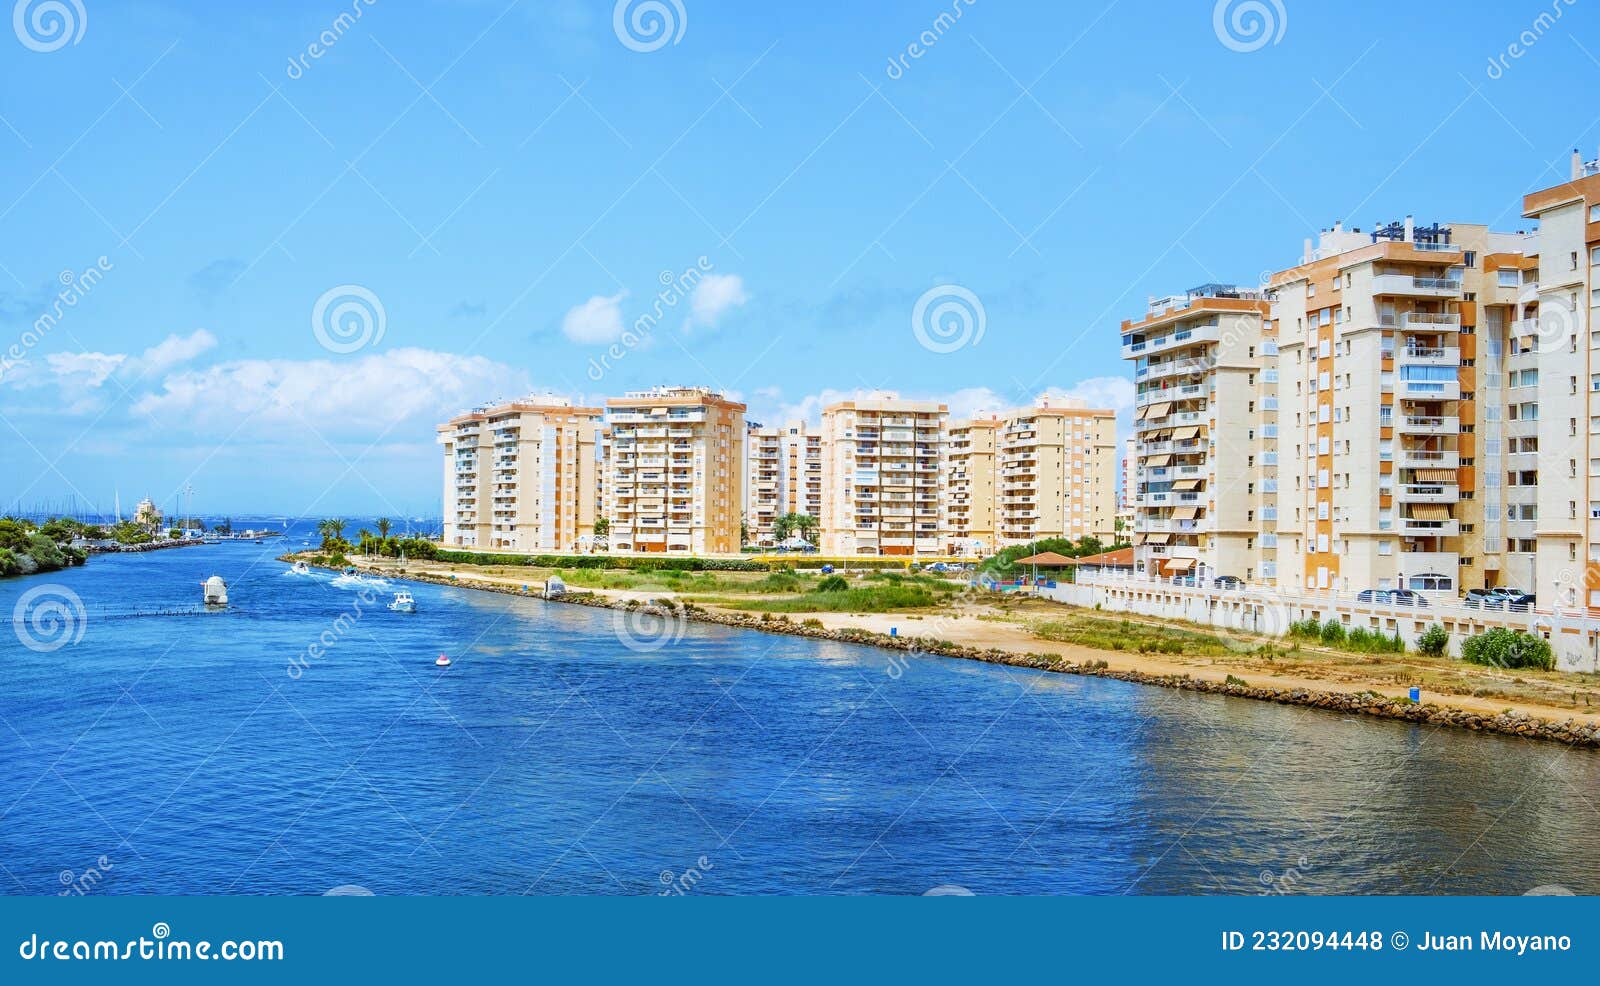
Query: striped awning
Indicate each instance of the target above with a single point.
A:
(1430, 511)
(1157, 538)
(1185, 513)
(1186, 485)
(1185, 434)
(1436, 475)
(1177, 564)
(1142, 412)
(1159, 410)
(1158, 461)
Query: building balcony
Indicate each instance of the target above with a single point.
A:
(1429, 356)
(1428, 390)
(1411, 527)
(1428, 493)
(1412, 458)
(1416, 287)
(1157, 395)
(1409, 424)
(1173, 368)
(1189, 336)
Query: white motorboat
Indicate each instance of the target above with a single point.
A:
(301, 568)
(403, 602)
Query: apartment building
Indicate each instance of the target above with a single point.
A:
(674, 471)
(1380, 357)
(883, 474)
(1553, 319)
(1125, 484)
(1056, 471)
(783, 476)
(1205, 429)
(971, 490)
(521, 476)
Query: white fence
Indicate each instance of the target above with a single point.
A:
(1573, 636)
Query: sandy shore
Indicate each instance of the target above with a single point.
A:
(1319, 676)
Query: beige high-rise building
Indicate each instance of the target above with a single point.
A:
(783, 476)
(883, 469)
(1204, 480)
(1383, 414)
(1056, 472)
(971, 492)
(674, 471)
(1553, 317)
(521, 476)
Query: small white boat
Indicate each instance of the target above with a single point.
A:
(441, 662)
(301, 568)
(554, 587)
(216, 591)
(403, 602)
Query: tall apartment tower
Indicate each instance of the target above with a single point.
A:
(1130, 458)
(1205, 407)
(521, 476)
(1057, 472)
(1555, 318)
(883, 470)
(1383, 414)
(971, 491)
(674, 471)
(783, 476)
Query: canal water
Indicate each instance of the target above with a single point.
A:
(564, 753)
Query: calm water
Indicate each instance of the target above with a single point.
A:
(552, 759)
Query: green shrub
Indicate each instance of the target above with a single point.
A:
(1433, 641)
(8, 562)
(1332, 633)
(833, 583)
(1503, 648)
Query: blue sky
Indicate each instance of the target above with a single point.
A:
(510, 183)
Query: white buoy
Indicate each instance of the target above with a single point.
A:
(216, 591)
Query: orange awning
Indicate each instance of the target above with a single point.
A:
(1142, 412)
(1177, 564)
(1159, 410)
(1185, 434)
(1186, 485)
(1430, 511)
(1158, 461)
(1186, 513)
(1436, 475)
(1157, 538)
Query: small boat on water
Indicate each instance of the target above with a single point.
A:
(554, 587)
(441, 662)
(216, 591)
(403, 603)
(349, 570)
(301, 568)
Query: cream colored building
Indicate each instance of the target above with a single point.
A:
(971, 490)
(1205, 434)
(883, 472)
(1384, 338)
(1056, 469)
(1554, 312)
(783, 476)
(521, 476)
(1130, 459)
(674, 471)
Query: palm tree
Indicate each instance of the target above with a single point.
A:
(384, 527)
(805, 524)
(782, 527)
(365, 537)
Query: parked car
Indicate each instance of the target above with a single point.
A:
(1523, 603)
(1228, 582)
(1405, 597)
(1372, 596)
(1497, 598)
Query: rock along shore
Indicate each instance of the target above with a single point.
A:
(1567, 731)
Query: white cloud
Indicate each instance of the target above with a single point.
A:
(1113, 393)
(713, 297)
(172, 351)
(390, 393)
(596, 321)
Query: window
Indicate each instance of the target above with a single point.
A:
(1509, 278)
